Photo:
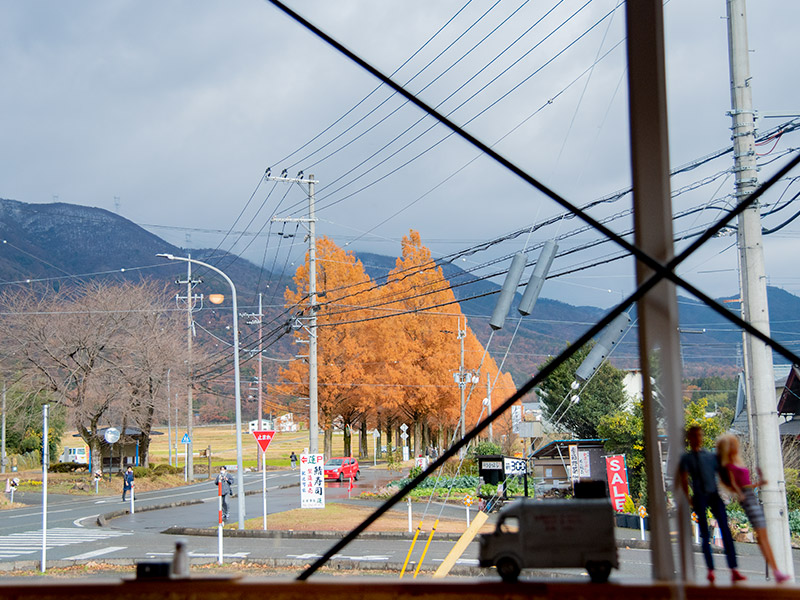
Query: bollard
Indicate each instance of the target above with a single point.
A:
(180, 560)
(219, 526)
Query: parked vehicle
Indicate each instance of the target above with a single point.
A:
(552, 533)
(75, 455)
(341, 468)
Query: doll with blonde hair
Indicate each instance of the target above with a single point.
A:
(736, 477)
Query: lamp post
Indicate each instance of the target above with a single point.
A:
(239, 467)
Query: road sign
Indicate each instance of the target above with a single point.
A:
(468, 500)
(404, 436)
(264, 438)
(186, 439)
(403, 427)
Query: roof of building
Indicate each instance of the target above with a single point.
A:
(552, 449)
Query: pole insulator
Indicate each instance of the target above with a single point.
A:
(508, 290)
(608, 339)
(536, 281)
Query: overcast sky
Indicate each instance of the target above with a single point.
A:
(177, 108)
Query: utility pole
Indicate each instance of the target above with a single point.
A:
(3, 442)
(463, 377)
(190, 307)
(258, 319)
(489, 401)
(761, 405)
(169, 422)
(462, 383)
(313, 415)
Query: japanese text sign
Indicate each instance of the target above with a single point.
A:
(312, 481)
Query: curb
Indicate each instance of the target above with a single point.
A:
(288, 563)
(102, 520)
(301, 535)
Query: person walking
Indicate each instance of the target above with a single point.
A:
(127, 482)
(701, 467)
(225, 479)
(293, 460)
(736, 477)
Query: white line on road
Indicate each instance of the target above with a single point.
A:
(79, 522)
(94, 553)
(202, 554)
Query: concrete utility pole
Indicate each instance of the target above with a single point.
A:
(258, 319)
(762, 403)
(313, 410)
(190, 304)
(489, 403)
(3, 450)
(462, 384)
(169, 422)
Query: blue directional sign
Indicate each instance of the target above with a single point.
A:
(186, 439)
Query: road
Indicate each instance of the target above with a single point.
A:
(73, 533)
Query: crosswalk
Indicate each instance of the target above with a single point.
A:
(30, 542)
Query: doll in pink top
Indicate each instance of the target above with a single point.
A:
(736, 477)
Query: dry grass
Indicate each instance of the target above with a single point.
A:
(343, 517)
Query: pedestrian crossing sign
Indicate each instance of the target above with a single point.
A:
(186, 439)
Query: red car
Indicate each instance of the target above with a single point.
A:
(341, 468)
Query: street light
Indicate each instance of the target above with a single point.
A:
(239, 467)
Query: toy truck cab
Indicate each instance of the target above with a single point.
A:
(552, 533)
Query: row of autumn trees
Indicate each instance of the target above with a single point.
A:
(98, 353)
(388, 350)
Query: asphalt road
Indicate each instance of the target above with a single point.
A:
(73, 532)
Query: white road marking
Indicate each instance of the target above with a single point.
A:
(28, 542)
(79, 522)
(203, 554)
(95, 553)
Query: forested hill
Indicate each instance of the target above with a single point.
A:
(57, 241)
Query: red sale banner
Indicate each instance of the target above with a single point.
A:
(617, 475)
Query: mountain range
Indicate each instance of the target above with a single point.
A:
(61, 242)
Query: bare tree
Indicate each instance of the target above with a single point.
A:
(102, 349)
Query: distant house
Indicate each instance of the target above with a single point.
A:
(124, 453)
(787, 390)
(552, 467)
(283, 423)
(789, 404)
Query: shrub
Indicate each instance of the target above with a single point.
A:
(140, 472)
(67, 467)
(483, 448)
(166, 469)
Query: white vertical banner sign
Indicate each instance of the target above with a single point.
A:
(574, 463)
(312, 481)
(585, 465)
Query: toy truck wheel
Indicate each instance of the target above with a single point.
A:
(508, 569)
(598, 570)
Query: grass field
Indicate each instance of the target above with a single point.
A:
(222, 440)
